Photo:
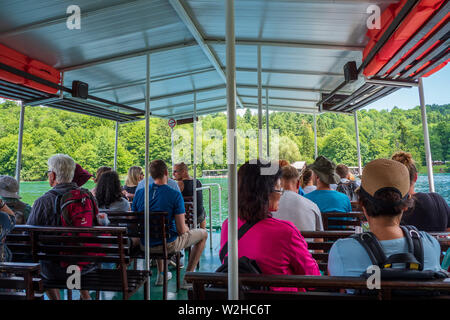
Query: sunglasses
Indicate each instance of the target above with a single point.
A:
(280, 191)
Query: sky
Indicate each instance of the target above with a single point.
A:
(436, 88)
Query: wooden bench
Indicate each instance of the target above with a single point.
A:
(325, 288)
(64, 244)
(355, 206)
(20, 276)
(159, 229)
(354, 219)
(328, 238)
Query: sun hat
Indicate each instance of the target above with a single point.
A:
(385, 174)
(9, 187)
(325, 169)
(81, 176)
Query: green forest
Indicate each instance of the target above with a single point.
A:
(90, 141)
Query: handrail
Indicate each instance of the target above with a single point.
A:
(210, 213)
(220, 199)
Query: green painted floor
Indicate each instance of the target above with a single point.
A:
(209, 262)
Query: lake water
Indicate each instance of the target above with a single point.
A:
(30, 191)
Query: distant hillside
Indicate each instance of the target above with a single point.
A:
(90, 141)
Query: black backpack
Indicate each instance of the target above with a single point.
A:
(413, 260)
(245, 265)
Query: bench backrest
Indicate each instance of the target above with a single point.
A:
(347, 220)
(95, 244)
(324, 287)
(134, 223)
(321, 249)
(189, 209)
(355, 206)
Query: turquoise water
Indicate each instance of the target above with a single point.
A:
(30, 191)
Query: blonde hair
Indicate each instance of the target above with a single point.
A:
(406, 159)
(133, 177)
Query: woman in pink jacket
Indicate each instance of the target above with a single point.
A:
(276, 245)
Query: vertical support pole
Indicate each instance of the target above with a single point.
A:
(195, 161)
(210, 219)
(260, 143)
(115, 145)
(171, 141)
(267, 124)
(358, 149)
(20, 142)
(426, 137)
(147, 172)
(233, 271)
(315, 136)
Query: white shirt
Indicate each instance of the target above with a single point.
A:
(309, 189)
(302, 212)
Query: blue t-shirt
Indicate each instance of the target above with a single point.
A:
(162, 198)
(300, 191)
(170, 182)
(330, 201)
(347, 257)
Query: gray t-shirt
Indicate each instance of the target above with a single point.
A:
(121, 205)
(302, 212)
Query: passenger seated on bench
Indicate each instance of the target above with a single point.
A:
(430, 211)
(166, 199)
(135, 175)
(346, 185)
(109, 193)
(303, 213)
(7, 223)
(99, 173)
(328, 200)
(170, 182)
(276, 245)
(61, 169)
(9, 189)
(186, 185)
(383, 197)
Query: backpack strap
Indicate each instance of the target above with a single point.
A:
(242, 230)
(413, 259)
(373, 248)
(415, 246)
(57, 206)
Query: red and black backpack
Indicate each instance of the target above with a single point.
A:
(76, 207)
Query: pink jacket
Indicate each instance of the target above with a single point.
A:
(277, 246)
